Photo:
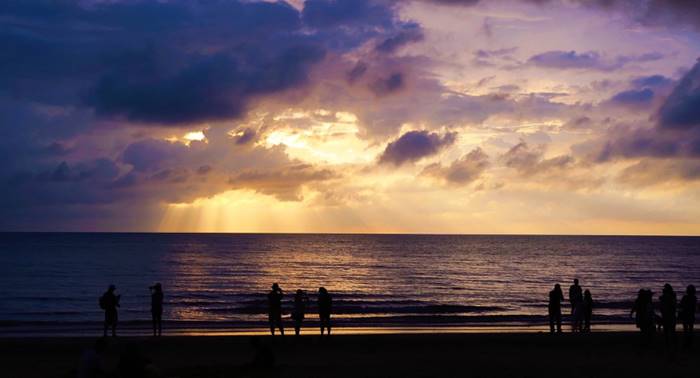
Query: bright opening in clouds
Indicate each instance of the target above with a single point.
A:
(506, 116)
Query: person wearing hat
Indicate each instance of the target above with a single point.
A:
(157, 308)
(109, 302)
(274, 300)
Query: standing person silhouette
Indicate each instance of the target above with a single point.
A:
(668, 303)
(643, 311)
(688, 306)
(109, 302)
(575, 299)
(274, 301)
(324, 309)
(300, 300)
(587, 307)
(556, 296)
(157, 308)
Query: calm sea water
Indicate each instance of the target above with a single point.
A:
(220, 280)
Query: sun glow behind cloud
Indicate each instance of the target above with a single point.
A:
(406, 116)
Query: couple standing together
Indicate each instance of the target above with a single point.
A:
(274, 299)
(581, 308)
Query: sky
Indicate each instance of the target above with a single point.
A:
(357, 116)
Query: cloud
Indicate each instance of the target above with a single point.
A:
(579, 123)
(346, 13)
(415, 145)
(151, 154)
(530, 160)
(388, 85)
(682, 108)
(653, 81)
(671, 13)
(676, 133)
(411, 33)
(651, 172)
(633, 97)
(284, 183)
(461, 171)
(591, 60)
(214, 88)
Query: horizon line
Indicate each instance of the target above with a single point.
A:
(342, 233)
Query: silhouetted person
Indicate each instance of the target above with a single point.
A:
(643, 311)
(300, 300)
(575, 299)
(157, 308)
(587, 308)
(668, 304)
(91, 360)
(555, 298)
(688, 306)
(274, 300)
(325, 303)
(109, 302)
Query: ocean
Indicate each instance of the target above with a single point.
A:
(50, 282)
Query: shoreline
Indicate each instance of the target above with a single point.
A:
(599, 354)
(142, 329)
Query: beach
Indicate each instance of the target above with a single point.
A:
(598, 354)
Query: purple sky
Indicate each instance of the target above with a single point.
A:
(503, 116)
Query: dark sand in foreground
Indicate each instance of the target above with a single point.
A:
(400, 355)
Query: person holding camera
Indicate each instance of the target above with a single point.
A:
(157, 308)
(274, 300)
(109, 302)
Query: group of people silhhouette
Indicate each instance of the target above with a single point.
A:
(581, 303)
(647, 320)
(643, 310)
(274, 299)
(109, 302)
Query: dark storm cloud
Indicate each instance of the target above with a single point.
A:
(217, 87)
(178, 62)
(682, 108)
(415, 145)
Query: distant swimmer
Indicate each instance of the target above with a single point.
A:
(109, 302)
(325, 303)
(556, 296)
(300, 300)
(157, 308)
(274, 300)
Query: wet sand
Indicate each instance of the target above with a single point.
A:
(601, 354)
